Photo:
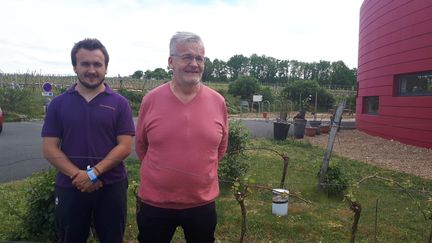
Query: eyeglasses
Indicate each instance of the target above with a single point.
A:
(188, 58)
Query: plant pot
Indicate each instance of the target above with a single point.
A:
(264, 114)
(316, 124)
(310, 131)
(280, 202)
(325, 128)
(299, 128)
(280, 130)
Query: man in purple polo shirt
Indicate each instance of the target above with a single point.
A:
(87, 134)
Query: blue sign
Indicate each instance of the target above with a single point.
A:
(47, 87)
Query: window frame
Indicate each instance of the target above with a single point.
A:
(401, 88)
(367, 105)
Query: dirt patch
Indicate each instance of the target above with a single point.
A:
(385, 153)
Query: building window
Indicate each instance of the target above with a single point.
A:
(371, 105)
(417, 84)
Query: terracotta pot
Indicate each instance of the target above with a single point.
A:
(310, 131)
(325, 128)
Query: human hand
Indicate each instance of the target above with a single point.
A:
(93, 187)
(81, 181)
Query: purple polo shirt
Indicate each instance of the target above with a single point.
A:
(88, 130)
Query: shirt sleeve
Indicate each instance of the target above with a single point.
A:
(141, 142)
(52, 127)
(125, 125)
(224, 142)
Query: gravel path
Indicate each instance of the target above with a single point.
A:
(385, 153)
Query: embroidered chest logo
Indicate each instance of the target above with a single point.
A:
(107, 106)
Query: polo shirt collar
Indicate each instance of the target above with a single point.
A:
(107, 90)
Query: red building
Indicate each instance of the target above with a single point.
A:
(395, 70)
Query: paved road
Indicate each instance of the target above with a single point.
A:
(20, 150)
(21, 145)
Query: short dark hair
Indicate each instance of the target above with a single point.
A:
(89, 44)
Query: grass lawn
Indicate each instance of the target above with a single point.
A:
(326, 219)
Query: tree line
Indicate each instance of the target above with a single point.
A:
(267, 70)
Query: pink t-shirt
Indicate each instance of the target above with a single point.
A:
(180, 146)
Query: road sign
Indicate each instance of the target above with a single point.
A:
(47, 87)
(257, 98)
(47, 93)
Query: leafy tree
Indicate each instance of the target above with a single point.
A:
(245, 87)
(137, 74)
(270, 69)
(283, 70)
(208, 70)
(323, 72)
(299, 90)
(256, 66)
(220, 70)
(237, 66)
(342, 75)
(148, 74)
(160, 74)
(234, 164)
(267, 94)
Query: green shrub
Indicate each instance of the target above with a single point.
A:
(336, 182)
(234, 165)
(245, 87)
(38, 221)
(22, 102)
(134, 98)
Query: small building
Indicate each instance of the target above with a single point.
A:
(394, 98)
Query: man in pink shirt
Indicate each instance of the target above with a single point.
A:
(182, 134)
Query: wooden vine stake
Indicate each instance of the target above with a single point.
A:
(334, 127)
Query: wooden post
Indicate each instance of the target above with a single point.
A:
(334, 127)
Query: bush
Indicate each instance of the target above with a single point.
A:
(245, 87)
(303, 88)
(38, 221)
(22, 102)
(336, 182)
(134, 98)
(233, 166)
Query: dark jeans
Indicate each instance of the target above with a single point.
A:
(106, 207)
(159, 224)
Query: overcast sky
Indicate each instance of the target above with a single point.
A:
(38, 35)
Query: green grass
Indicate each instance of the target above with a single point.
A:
(326, 219)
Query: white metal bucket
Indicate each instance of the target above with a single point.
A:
(280, 202)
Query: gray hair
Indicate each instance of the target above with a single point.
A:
(181, 38)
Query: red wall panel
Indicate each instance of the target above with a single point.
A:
(400, 17)
(395, 37)
(399, 68)
(403, 44)
(408, 101)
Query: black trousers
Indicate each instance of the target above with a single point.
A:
(159, 224)
(106, 207)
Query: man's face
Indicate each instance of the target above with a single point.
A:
(188, 63)
(90, 68)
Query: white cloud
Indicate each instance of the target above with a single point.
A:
(38, 35)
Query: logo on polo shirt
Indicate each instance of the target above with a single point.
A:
(107, 106)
